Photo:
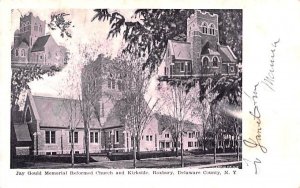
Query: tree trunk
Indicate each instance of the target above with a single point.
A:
(181, 143)
(176, 147)
(215, 149)
(134, 152)
(238, 150)
(223, 143)
(87, 145)
(215, 134)
(72, 147)
(138, 155)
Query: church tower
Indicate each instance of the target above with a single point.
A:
(31, 28)
(202, 33)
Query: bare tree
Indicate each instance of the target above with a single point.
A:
(83, 82)
(137, 109)
(179, 99)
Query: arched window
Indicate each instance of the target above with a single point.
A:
(17, 52)
(205, 61)
(204, 27)
(212, 29)
(28, 115)
(22, 52)
(215, 61)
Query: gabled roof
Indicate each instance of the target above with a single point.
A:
(56, 112)
(181, 50)
(40, 43)
(227, 54)
(22, 132)
(165, 121)
(23, 45)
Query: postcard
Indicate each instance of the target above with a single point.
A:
(149, 93)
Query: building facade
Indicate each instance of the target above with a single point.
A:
(32, 46)
(47, 124)
(201, 55)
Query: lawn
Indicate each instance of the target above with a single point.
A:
(164, 162)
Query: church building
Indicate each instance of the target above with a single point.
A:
(201, 55)
(32, 46)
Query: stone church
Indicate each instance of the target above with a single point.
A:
(201, 54)
(32, 46)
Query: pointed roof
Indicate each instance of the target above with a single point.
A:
(56, 112)
(227, 54)
(40, 43)
(164, 121)
(23, 45)
(22, 132)
(181, 50)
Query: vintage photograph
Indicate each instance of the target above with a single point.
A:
(126, 88)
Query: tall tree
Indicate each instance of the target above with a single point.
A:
(178, 101)
(137, 111)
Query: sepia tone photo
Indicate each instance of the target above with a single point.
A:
(123, 89)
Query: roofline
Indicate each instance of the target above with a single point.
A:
(50, 97)
(33, 106)
(231, 52)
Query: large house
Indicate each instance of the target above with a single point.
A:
(201, 55)
(32, 46)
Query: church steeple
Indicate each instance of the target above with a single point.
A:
(205, 25)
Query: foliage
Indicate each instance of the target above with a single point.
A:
(21, 76)
(149, 30)
(58, 21)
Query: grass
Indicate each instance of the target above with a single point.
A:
(165, 162)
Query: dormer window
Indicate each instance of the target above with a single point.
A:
(205, 61)
(212, 29)
(215, 62)
(204, 27)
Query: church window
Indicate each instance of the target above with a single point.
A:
(28, 115)
(231, 69)
(204, 27)
(212, 29)
(182, 67)
(22, 52)
(215, 61)
(189, 67)
(205, 61)
(17, 52)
